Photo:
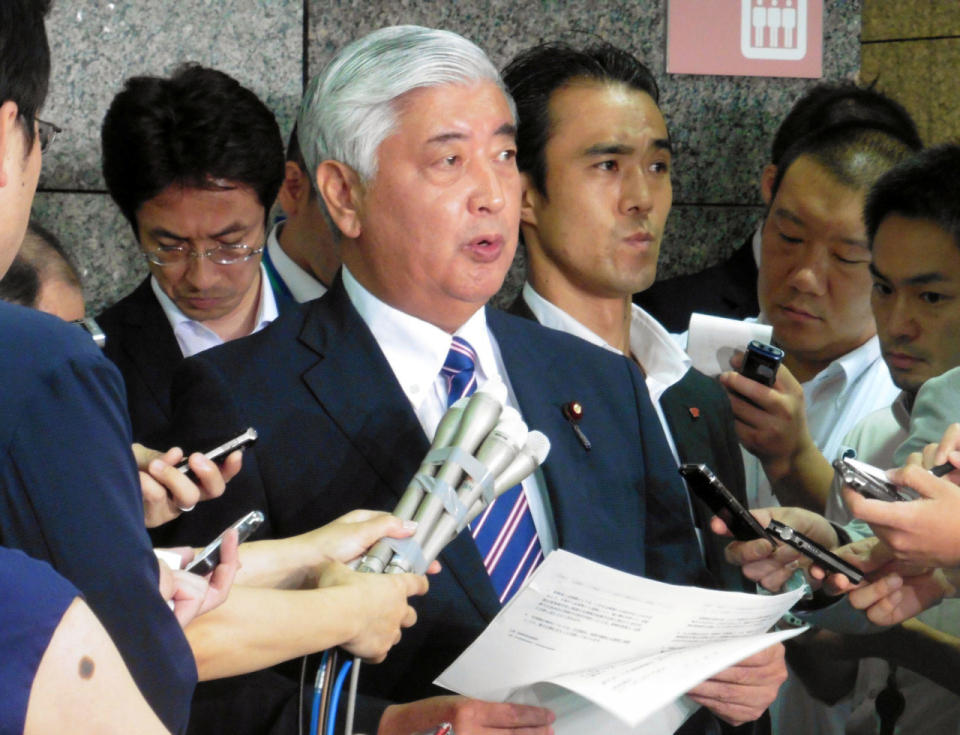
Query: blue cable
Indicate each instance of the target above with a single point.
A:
(335, 697)
(317, 692)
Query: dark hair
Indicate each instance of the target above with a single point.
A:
(926, 186)
(198, 125)
(41, 258)
(853, 154)
(535, 74)
(24, 58)
(832, 103)
(21, 283)
(295, 155)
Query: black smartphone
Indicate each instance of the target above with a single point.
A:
(761, 361)
(206, 561)
(870, 481)
(722, 502)
(823, 558)
(239, 442)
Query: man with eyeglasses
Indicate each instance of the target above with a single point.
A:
(194, 162)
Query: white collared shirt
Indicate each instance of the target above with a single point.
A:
(836, 399)
(416, 350)
(303, 286)
(653, 347)
(194, 336)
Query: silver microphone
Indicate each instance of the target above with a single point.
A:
(496, 453)
(532, 455)
(479, 417)
(377, 558)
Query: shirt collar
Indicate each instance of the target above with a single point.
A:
(194, 336)
(851, 365)
(901, 409)
(662, 359)
(756, 244)
(303, 286)
(414, 348)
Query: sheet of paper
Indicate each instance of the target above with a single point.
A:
(626, 644)
(712, 340)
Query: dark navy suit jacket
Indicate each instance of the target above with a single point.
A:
(142, 345)
(698, 413)
(338, 433)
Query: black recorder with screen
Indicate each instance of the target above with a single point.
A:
(745, 527)
(761, 361)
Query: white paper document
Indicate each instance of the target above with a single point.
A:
(712, 340)
(611, 652)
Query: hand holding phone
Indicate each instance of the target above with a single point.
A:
(745, 527)
(870, 481)
(206, 561)
(238, 442)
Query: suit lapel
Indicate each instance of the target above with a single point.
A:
(150, 344)
(357, 388)
(690, 426)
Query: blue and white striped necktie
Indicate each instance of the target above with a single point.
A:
(504, 533)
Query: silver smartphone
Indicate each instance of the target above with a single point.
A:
(206, 561)
(238, 442)
(870, 481)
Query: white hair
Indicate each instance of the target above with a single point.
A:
(348, 109)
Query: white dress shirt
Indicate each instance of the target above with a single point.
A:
(193, 336)
(303, 286)
(664, 362)
(416, 350)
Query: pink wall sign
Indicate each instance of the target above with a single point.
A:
(763, 38)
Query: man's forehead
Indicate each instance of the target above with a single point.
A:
(439, 110)
(630, 104)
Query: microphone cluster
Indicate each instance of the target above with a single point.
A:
(481, 449)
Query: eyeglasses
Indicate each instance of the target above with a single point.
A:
(221, 255)
(47, 132)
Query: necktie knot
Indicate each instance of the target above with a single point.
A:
(459, 370)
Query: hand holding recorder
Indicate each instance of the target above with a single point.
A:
(745, 526)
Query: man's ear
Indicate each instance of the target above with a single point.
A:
(9, 121)
(767, 178)
(342, 192)
(294, 190)
(530, 199)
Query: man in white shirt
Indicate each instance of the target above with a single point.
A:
(814, 288)
(595, 202)
(915, 247)
(197, 194)
(729, 288)
(302, 256)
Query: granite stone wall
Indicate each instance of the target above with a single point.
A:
(720, 125)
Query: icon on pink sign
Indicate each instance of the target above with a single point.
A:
(773, 29)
